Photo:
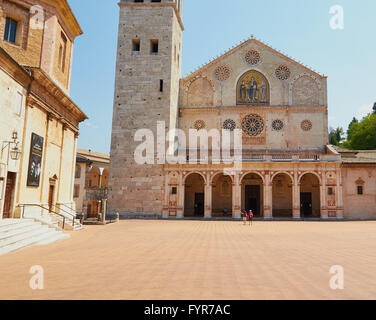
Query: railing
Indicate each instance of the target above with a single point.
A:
(24, 205)
(69, 213)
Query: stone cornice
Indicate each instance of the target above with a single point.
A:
(66, 15)
(46, 94)
(172, 5)
(13, 69)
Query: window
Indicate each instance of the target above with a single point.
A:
(62, 52)
(136, 46)
(160, 85)
(154, 47)
(360, 190)
(330, 191)
(76, 191)
(138, 0)
(174, 190)
(18, 105)
(10, 30)
(78, 172)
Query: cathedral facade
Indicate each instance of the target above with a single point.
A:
(279, 107)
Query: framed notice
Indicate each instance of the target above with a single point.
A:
(35, 161)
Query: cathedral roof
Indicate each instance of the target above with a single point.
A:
(248, 42)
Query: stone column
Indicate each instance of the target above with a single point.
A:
(340, 210)
(324, 198)
(208, 197)
(268, 197)
(166, 202)
(296, 213)
(236, 197)
(181, 195)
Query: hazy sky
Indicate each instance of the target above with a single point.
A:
(299, 28)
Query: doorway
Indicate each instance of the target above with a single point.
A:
(9, 195)
(51, 193)
(199, 204)
(252, 199)
(306, 204)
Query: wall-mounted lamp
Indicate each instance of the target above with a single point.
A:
(14, 152)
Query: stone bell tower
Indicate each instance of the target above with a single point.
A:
(148, 71)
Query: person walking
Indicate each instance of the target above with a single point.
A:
(250, 217)
(244, 216)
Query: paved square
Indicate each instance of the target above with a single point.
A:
(199, 260)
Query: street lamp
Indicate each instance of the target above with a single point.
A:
(14, 152)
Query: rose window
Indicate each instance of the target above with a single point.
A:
(306, 125)
(283, 72)
(229, 125)
(253, 125)
(222, 73)
(199, 124)
(252, 57)
(277, 125)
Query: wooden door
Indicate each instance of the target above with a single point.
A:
(252, 200)
(306, 204)
(51, 193)
(199, 204)
(9, 195)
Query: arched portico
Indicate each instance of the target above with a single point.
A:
(252, 186)
(222, 193)
(194, 195)
(310, 204)
(282, 191)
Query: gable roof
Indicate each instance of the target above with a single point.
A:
(251, 40)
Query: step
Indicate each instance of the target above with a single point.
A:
(37, 239)
(6, 224)
(17, 230)
(17, 224)
(34, 231)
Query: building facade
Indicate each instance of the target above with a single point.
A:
(39, 120)
(279, 107)
(91, 182)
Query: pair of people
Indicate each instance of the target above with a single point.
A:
(247, 215)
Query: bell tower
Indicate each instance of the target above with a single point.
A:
(148, 71)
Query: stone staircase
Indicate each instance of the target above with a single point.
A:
(58, 220)
(17, 234)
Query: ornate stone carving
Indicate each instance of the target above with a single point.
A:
(277, 125)
(283, 72)
(306, 125)
(229, 125)
(253, 125)
(199, 125)
(305, 91)
(253, 57)
(222, 73)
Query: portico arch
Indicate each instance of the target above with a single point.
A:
(282, 195)
(194, 195)
(222, 195)
(252, 184)
(310, 205)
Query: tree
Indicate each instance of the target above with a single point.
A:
(374, 108)
(362, 135)
(336, 136)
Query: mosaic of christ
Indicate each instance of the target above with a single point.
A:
(253, 88)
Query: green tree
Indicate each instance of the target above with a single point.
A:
(362, 135)
(336, 136)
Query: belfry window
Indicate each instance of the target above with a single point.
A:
(154, 47)
(136, 46)
(10, 30)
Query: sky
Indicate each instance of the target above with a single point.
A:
(299, 28)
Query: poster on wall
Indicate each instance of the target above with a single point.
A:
(35, 162)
